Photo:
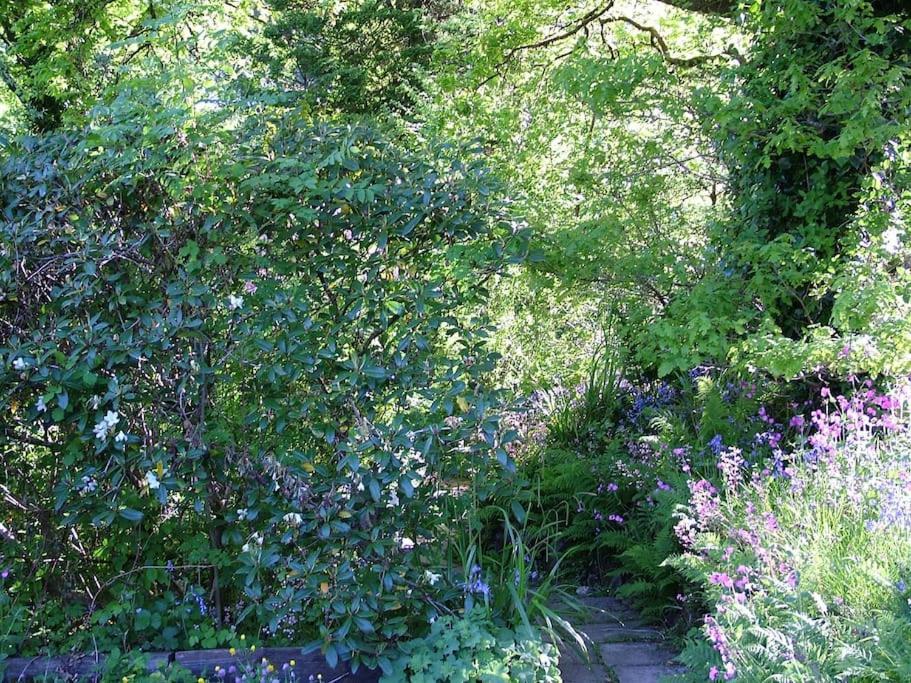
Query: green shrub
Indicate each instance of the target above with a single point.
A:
(470, 648)
(234, 377)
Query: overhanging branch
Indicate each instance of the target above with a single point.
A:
(580, 25)
(660, 44)
(597, 16)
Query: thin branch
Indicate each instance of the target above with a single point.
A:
(32, 441)
(580, 25)
(658, 42)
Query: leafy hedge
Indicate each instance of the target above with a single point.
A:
(236, 377)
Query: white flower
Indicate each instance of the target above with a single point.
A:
(431, 578)
(121, 437)
(242, 514)
(89, 484)
(20, 364)
(106, 424)
(152, 480)
(293, 519)
(101, 430)
(235, 302)
(41, 406)
(255, 540)
(393, 498)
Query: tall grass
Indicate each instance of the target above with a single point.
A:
(574, 415)
(520, 580)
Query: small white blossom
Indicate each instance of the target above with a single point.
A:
(293, 519)
(242, 514)
(431, 578)
(106, 424)
(89, 484)
(235, 302)
(255, 540)
(152, 480)
(101, 430)
(121, 437)
(20, 364)
(41, 406)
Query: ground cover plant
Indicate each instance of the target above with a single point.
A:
(387, 330)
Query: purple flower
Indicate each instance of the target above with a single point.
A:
(721, 579)
(475, 583)
(731, 464)
(704, 501)
(716, 444)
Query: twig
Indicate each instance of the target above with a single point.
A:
(589, 18)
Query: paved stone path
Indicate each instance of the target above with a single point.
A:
(622, 648)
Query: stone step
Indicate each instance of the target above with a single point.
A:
(610, 611)
(582, 673)
(635, 654)
(616, 633)
(641, 674)
(618, 641)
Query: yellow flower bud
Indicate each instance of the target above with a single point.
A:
(252, 648)
(232, 651)
(293, 663)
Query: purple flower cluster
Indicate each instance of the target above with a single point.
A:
(732, 465)
(640, 400)
(475, 584)
(719, 641)
(856, 421)
(705, 505)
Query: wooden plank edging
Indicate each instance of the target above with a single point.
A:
(199, 662)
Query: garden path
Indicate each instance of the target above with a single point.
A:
(622, 648)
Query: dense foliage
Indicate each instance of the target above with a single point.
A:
(378, 328)
(222, 370)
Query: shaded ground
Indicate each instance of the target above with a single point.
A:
(622, 648)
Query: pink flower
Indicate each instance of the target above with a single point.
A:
(250, 287)
(721, 579)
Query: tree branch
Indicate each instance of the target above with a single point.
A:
(589, 18)
(660, 44)
(30, 440)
